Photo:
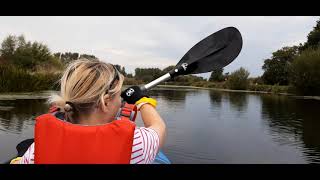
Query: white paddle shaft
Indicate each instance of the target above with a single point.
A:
(157, 81)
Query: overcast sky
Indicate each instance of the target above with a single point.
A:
(159, 41)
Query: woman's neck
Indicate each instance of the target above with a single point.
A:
(95, 119)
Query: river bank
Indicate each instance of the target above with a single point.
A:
(45, 94)
(243, 91)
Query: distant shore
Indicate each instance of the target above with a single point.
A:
(220, 89)
(44, 94)
(243, 91)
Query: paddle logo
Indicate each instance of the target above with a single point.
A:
(184, 66)
(130, 92)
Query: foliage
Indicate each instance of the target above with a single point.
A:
(305, 72)
(238, 80)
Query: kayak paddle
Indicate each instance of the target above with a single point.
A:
(214, 52)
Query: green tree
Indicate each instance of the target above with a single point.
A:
(29, 55)
(66, 57)
(217, 75)
(313, 38)
(8, 47)
(238, 79)
(147, 74)
(57, 55)
(167, 69)
(88, 56)
(276, 69)
(256, 80)
(25, 54)
(305, 72)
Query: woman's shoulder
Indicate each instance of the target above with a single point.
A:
(145, 146)
(146, 138)
(145, 131)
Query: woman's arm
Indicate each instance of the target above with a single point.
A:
(152, 120)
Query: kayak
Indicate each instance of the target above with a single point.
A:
(161, 158)
(22, 147)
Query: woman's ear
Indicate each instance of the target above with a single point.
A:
(105, 103)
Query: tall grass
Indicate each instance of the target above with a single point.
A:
(17, 80)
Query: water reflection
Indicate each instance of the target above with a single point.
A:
(208, 126)
(170, 95)
(238, 101)
(215, 98)
(15, 113)
(172, 98)
(294, 120)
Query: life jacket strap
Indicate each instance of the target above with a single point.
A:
(128, 111)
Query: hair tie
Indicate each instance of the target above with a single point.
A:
(69, 106)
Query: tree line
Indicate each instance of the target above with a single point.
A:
(296, 67)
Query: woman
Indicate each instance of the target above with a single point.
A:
(84, 129)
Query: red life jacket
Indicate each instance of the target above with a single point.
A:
(60, 142)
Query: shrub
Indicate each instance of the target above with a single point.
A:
(305, 72)
(238, 79)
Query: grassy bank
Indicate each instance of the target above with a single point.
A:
(259, 91)
(276, 89)
(17, 80)
(13, 79)
(272, 90)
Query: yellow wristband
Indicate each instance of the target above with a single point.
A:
(145, 100)
(15, 160)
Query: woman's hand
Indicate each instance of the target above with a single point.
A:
(132, 94)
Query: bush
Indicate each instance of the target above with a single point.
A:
(200, 84)
(28, 55)
(305, 72)
(132, 81)
(238, 80)
(256, 80)
(17, 80)
(269, 88)
(217, 75)
(258, 87)
(219, 85)
(276, 89)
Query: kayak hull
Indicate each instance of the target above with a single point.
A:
(161, 158)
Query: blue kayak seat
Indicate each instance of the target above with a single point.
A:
(161, 158)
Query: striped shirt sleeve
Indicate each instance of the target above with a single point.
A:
(145, 146)
(28, 157)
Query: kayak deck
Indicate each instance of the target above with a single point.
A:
(161, 158)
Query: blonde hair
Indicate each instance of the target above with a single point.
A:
(83, 86)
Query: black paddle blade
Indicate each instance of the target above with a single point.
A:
(214, 52)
